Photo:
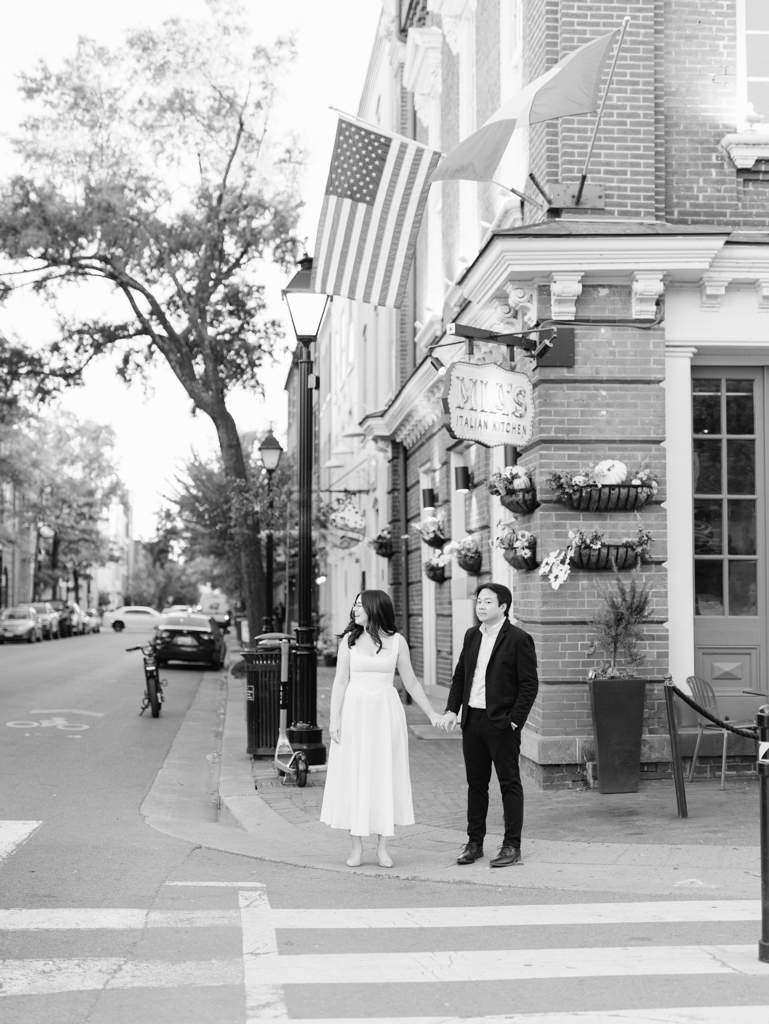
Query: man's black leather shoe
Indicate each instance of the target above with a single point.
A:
(507, 855)
(471, 853)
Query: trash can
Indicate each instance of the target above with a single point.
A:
(263, 692)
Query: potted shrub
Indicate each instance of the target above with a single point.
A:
(432, 529)
(608, 486)
(383, 543)
(467, 553)
(519, 547)
(514, 487)
(435, 567)
(617, 697)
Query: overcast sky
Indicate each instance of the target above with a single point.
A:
(334, 38)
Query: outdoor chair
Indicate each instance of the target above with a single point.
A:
(702, 692)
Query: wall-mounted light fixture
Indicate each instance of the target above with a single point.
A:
(438, 365)
(428, 497)
(463, 480)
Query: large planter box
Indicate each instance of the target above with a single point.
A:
(601, 559)
(524, 502)
(608, 497)
(617, 707)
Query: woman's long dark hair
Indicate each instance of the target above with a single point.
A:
(381, 618)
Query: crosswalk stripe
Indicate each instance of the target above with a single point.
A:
(676, 1015)
(47, 977)
(13, 834)
(58, 918)
(265, 998)
(503, 965)
(553, 914)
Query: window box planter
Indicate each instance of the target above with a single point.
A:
(470, 562)
(435, 540)
(383, 546)
(606, 497)
(624, 556)
(522, 562)
(436, 573)
(524, 502)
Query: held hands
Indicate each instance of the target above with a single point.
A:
(445, 723)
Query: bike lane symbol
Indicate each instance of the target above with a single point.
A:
(55, 722)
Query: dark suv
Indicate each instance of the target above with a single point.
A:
(191, 638)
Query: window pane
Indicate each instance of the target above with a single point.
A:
(707, 528)
(756, 14)
(742, 527)
(706, 406)
(709, 588)
(707, 466)
(742, 588)
(739, 407)
(757, 55)
(740, 466)
(758, 95)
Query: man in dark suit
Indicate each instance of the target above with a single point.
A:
(495, 683)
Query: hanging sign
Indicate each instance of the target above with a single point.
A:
(488, 404)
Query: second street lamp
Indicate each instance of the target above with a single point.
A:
(306, 309)
(270, 452)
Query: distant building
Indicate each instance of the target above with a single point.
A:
(109, 582)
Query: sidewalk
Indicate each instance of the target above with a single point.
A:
(573, 840)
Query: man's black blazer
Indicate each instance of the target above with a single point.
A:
(511, 676)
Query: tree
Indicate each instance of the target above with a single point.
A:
(150, 171)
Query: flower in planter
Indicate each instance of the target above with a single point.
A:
(557, 565)
(383, 542)
(431, 528)
(508, 480)
(521, 542)
(440, 559)
(608, 473)
(467, 553)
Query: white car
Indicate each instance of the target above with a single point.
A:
(133, 617)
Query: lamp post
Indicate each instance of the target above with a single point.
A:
(270, 452)
(306, 309)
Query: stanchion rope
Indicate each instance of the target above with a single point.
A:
(749, 734)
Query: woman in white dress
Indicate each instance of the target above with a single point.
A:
(368, 787)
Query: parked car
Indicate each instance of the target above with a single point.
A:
(21, 623)
(92, 620)
(177, 609)
(132, 617)
(49, 619)
(64, 611)
(191, 638)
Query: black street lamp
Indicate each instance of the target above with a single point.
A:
(270, 452)
(306, 309)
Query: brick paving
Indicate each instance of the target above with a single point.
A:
(648, 817)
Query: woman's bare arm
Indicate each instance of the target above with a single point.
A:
(412, 684)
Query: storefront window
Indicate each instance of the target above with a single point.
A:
(724, 475)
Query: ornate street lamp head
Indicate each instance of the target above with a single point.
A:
(305, 307)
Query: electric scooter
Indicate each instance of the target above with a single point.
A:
(289, 764)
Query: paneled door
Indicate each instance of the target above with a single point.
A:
(730, 576)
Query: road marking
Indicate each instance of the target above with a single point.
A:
(515, 916)
(501, 965)
(59, 918)
(679, 1015)
(46, 977)
(265, 999)
(214, 885)
(13, 834)
(58, 723)
(65, 711)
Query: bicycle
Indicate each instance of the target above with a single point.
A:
(153, 694)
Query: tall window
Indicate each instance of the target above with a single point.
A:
(757, 55)
(725, 496)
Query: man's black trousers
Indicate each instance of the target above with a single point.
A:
(483, 744)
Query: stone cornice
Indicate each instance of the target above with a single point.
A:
(412, 412)
(452, 13)
(745, 148)
(525, 257)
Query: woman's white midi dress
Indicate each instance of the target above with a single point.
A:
(368, 786)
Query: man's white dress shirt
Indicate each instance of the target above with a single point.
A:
(489, 635)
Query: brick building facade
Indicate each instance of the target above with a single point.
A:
(665, 278)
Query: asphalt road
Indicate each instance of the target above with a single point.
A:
(104, 920)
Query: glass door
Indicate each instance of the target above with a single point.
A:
(730, 599)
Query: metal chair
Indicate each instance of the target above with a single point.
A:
(703, 693)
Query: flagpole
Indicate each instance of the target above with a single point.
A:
(525, 198)
(583, 179)
(376, 128)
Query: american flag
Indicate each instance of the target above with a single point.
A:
(372, 209)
